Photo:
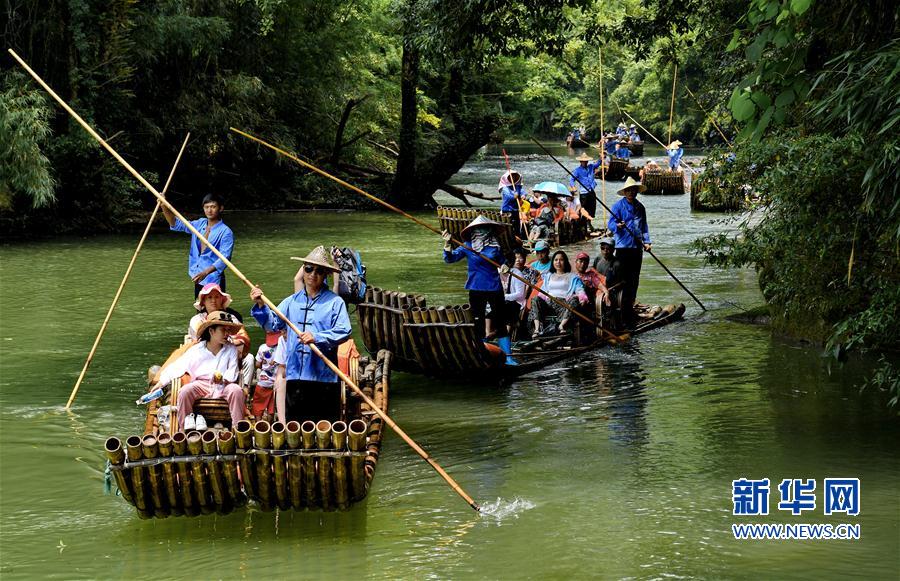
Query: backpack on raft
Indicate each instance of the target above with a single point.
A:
(352, 279)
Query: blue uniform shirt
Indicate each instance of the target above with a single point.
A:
(634, 135)
(325, 316)
(585, 181)
(635, 218)
(483, 275)
(509, 198)
(220, 236)
(674, 157)
(610, 147)
(622, 153)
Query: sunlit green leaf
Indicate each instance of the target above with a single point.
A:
(798, 7)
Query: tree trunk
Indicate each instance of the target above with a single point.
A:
(403, 188)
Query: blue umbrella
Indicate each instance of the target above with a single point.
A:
(555, 188)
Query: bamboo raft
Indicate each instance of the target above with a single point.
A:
(663, 182)
(615, 170)
(636, 148)
(633, 172)
(455, 219)
(441, 340)
(303, 466)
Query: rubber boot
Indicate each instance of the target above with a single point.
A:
(505, 344)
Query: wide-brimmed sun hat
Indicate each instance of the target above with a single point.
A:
(217, 319)
(583, 157)
(674, 145)
(320, 257)
(479, 222)
(631, 183)
(208, 288)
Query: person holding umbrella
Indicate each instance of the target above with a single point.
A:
(551, 212)
(481, 238)
(628, 223)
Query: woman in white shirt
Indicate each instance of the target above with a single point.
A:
(213, 354)
(515, 292)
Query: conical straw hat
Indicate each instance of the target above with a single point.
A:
(479, 221)
(629, 184)
(320, 257)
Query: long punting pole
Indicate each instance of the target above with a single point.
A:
(602, 139)
(689, 168)
(708, 114)
(630, 231)
(265, 299)
(613, 336)
(672, 106)
(115, 301)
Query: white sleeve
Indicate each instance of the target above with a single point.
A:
(230, 373)
(178, 367)
(280, 355)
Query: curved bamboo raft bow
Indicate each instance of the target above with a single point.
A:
(350, 383)
(614, 215)
(613, 338)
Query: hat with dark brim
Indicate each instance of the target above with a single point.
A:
(479, 222)
(219, 319)
(631, 184)
(320, 257)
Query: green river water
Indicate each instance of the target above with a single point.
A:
(618, 465)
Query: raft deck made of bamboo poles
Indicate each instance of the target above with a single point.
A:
(663, 182)
(441, 341)
(301, 466)
(615, 170)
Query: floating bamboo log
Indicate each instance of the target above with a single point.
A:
(357, 443)
(170, 479)
(139, 493)
(244, 438)
(295, 466)
(116, 456)
(179, 445)
(229, 468)
(341, 482)
(323, 466)
(198, 473)
(262, 440)
(214, 470)
(308, 439)
(279, 464)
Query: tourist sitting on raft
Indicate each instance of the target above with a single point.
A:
(675, 152)
(649, 166)
(515, 292)
(548, 214)
(213, 366)
(541, 263)
(312, 390)
(593, 281)
(562, 284)
(512, 193)
(482, 238)
(212, 298)
(605, 263)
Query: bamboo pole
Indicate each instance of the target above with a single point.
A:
(139, 493)
(232, 484)
(243, 435)
(116, 455)
(179, 444)
(169, 477)
(708, 114)
(633, 234)
(381, 413)
(357, 442)
(602, 137)
(216, 482)
(262, 440)
(323, 464)
(137, 250)
(198, 474)
(295, 467)
(308, 440)
(281, 485)
(664, 146)
(614, 338)
(341, 483)
(150, 448)
(672, 106)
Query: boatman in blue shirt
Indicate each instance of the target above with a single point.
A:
(204, 267)
(628, 222)
(633, 135)
(610, 145)
(483, 281)
(621, 152)
(511, 190)
(582, 182)
(312, 390)
(675, 151)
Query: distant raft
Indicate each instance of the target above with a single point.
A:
(615, 170)
(309, 466)
(441, 340)
(663, 182)
(453, 220)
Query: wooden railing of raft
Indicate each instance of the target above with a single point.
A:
(664, 182)
(429, 340)
(308, 466)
